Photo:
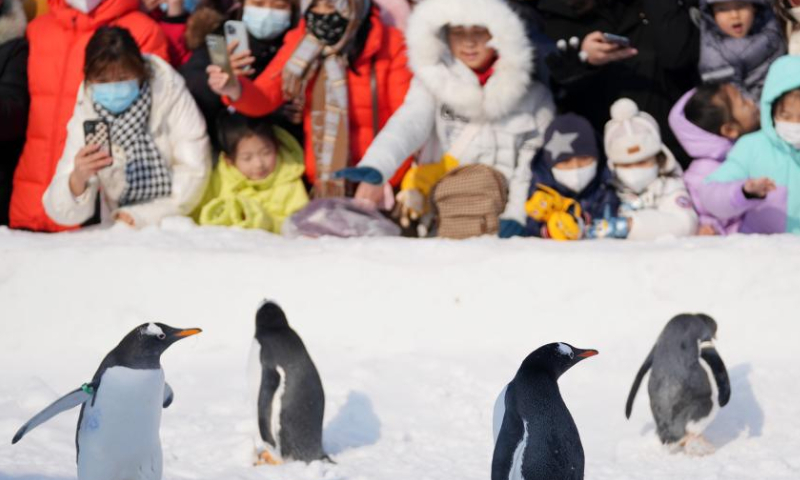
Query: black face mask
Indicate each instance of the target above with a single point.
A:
(328, 28)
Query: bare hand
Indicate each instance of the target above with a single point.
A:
(126, 218)
(293, 111)
(412, 206)
(600, 52)
(759, 187)
(223, 84)
(89, 160)
(370, 193)
(240, 62)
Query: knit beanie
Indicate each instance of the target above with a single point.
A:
(631, 135)
(569, 136)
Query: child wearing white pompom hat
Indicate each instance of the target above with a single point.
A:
(655, 201)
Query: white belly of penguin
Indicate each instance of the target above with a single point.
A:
(698, 427)
(119, 434)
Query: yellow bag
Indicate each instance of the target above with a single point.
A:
(422, 179)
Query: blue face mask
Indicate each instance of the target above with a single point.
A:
(116, 97)
(266, 23)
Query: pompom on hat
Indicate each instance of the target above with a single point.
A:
(631, 135)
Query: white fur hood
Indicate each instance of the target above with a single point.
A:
(12, 21)
(452, 82)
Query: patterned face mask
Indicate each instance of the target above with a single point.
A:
(328, 28)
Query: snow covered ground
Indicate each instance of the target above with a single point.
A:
(413, 339)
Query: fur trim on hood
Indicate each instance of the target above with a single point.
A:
(432, 63)
(12, 21)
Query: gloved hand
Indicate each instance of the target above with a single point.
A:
(359, 175)
(609, 227)
(510, 228)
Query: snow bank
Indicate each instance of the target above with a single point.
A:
(413, 339)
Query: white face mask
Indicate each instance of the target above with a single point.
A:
(637, 179)
(576, 179)
(85, 6)
(790, 132)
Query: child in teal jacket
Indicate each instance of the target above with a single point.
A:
(760, 179)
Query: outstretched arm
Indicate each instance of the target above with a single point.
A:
(67, 402)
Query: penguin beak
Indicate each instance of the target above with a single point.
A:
(188, 332)
(588, 353)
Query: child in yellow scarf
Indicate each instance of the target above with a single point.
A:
(258, 180)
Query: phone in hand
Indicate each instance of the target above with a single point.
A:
(218, 51)
(97, 132)
(236, 30)
(617, 40)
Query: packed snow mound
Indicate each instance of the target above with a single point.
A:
(413, 339)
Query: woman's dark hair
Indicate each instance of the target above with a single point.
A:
(356, 47)
(233, 127)
(113, 47)
(709, 108)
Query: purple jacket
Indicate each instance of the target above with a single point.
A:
(708, 152)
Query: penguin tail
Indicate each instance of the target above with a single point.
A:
(327, 459)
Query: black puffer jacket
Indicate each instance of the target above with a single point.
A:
(664, 69)
(14, 100)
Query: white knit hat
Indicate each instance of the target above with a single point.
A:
(631, 136)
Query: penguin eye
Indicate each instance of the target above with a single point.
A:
(571, 355)
(161, 336)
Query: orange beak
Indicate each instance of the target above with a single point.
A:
(188, 332)
(589, 353)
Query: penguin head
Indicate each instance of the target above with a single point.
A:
(143, 346)
(691, 328)
(556, 358)
(269, 317)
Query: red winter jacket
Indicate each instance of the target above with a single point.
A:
(55, 70)
(385, 49)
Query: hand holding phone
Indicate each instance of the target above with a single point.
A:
(597, 50)
(97, 132)
(221, 79)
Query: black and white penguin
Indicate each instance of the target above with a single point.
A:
(688, 383)
(118, 428)
(288, 394)
(535, 435)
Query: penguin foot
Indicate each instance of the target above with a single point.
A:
(696, 446)
(266, 458)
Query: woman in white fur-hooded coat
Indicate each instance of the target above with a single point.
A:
(513, 110)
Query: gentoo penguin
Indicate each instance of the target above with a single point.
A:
(535, 436)
(688, 383)
(117, 436)
(289, 401)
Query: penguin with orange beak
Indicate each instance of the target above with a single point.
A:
(118, 429)
(535, 435)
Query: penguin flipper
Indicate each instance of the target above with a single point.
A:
(67, 402)
(270, 382)
(714, 361)
(512, 432)
(169, 395)
(637, 382)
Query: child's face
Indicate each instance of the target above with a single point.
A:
(255, 157)
(735, 18)
(744, 112)
(471, 46)
(789, 109)
(575, 163)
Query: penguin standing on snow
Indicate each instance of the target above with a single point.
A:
(117, 436)
(290, 399)
(688, 383)
(535, 435)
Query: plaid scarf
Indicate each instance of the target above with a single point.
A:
(146, 175)
(330, 134)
